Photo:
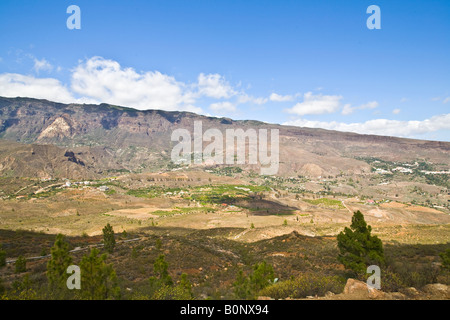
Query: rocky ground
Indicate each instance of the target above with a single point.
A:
(358, 290)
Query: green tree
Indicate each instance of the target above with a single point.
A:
(21, 264)
(98, 279)
(186, 285)
(241, 286)
(162, 277)
(108, 238)
(158, 244)
(23, 290)
(445, 256)
(2, 288)
(2, 257)
(262, 276)
(162, 286)
(58, 264)
(358, 248)
(249, 287)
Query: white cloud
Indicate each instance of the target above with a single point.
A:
(403, 100)
(244, 98)
(369, 105)
(316, 104)
(396, 111)
(106, 81)
(348, 109)
(444, 100)
(41, 65)
(17, 85)
(221, 107)
(382, 126)
(214, 86)
(280, 98)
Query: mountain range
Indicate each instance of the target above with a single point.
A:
(40, 138)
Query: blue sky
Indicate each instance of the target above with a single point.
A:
(306, 63)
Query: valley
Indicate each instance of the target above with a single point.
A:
(65, 169)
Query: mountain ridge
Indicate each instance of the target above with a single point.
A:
(140, 140)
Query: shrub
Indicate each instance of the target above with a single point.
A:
(399, 275)
(172, 293)
(308, 284)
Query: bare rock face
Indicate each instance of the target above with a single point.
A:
(58, 129)
(311, 169)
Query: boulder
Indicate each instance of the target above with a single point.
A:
(395, 296)
(437, 290)
(264, 298)
(360, 290)
(410, 292)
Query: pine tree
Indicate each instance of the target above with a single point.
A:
(58, 264)
(160, 267)
(249, 287)
(21, 264)
(241, 286)
(108, 238)
(2, 257)
(445, 256)
(98, 279)
(186, 285)
(262, 276)
(358, 248)
(2, 288)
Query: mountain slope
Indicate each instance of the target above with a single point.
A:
(125, 138)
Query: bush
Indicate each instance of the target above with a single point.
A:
(401, 275)
(308, 284)
(172, 293)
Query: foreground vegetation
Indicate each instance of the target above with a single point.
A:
(202, 264)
